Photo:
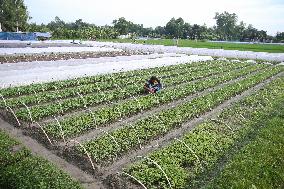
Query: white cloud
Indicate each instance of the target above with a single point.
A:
(265, 14)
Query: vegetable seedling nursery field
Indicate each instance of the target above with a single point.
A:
(105, 132)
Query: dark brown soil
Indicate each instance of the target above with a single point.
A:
(61, 56)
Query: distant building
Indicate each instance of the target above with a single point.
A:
(24, 36)
(42, 36)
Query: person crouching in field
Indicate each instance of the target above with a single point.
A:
(153, 85)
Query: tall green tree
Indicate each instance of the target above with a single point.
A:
(56, 24)
(160, 31)
(254, 34)
(33, 27)
(122, 26)
(280, 37)
(175, 28)
(226, 25)
(13, 15)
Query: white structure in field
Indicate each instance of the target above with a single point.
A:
(0, 27)
(189, 50)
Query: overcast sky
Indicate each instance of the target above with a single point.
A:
(267, 15)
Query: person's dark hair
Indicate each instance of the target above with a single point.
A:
(153, 78)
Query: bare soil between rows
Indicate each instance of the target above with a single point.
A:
(62, 56)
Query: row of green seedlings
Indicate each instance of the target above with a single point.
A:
(99, 87)
(66, 105)
(109, 146)
(78, 124)
(178, 164)
(106, 84)
(42, 87)
(48, 96)
(21, 169)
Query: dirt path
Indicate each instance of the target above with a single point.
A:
(165, 140)
(86, 180)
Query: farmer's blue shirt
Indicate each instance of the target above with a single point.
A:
(156, 87)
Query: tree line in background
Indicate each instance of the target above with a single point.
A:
(14, 16)
(75, 30)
